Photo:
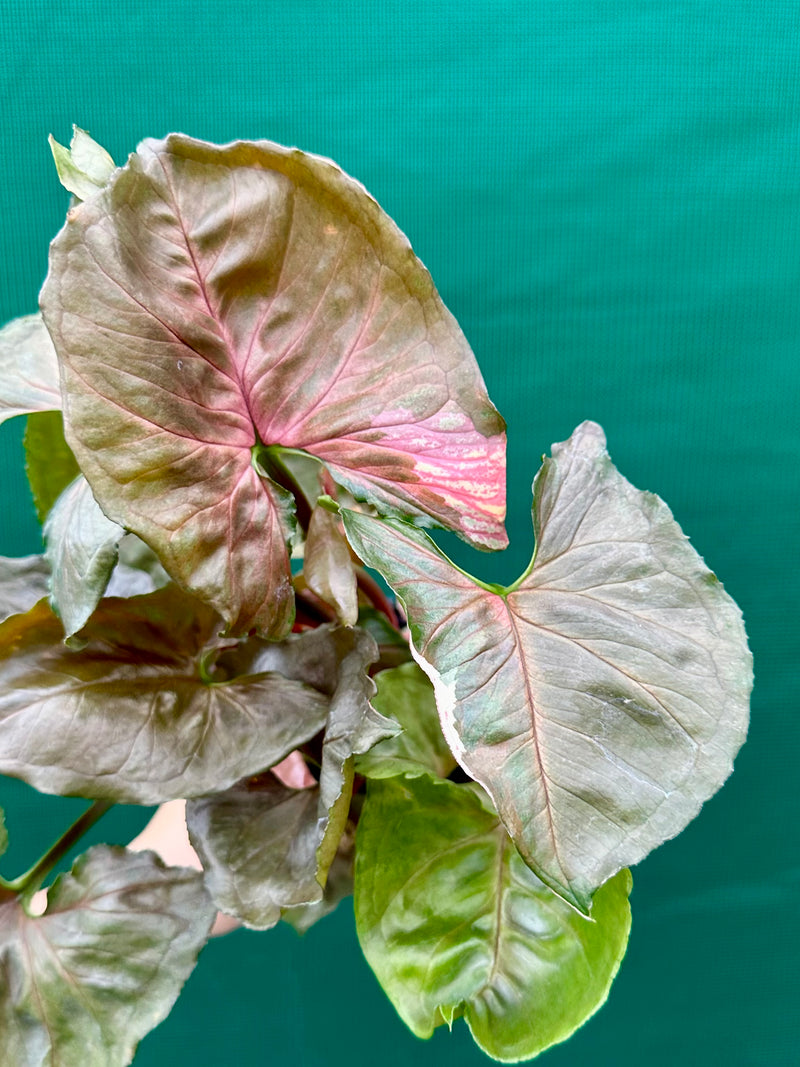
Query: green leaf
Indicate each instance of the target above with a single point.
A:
(302, 320)
(83, 983)
(327, 566)
(85, 167)
(28, 368)
(377, 624)
(265, 846)
(406, 695)
(133, 716)
(453, 922)
(602, 697)
(49, 462)
(23, 581)
(82, 546)
(91, 157)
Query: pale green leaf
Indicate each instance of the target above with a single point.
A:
(95, 162)
(82, 549)
(85, 167)
(28, 368)
(83, 983)
(23, 581)
(602, 697)
(453, 922)
(134, 554)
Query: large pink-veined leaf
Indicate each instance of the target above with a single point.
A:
(213, 298)
(601, 698)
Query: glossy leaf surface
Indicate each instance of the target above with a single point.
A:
(28, 368)
(23, 581)
(83, 983)
(405, 695)
(130, 716)
(601, 698)
(453, 922)
(265, 846)
(82, 549)
(211, 298)
(49, 462)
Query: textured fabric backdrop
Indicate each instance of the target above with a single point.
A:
(608, 197)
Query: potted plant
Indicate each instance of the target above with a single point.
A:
(245, 403)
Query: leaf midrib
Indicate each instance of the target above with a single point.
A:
(534, 732)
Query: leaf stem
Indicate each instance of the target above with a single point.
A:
(30, 881)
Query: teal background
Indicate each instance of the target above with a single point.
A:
(608, 197)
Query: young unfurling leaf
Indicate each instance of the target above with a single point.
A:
(84, 167)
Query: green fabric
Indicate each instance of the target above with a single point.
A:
(606, 194)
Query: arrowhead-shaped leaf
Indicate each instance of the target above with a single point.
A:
(405, 695)
(213, 298)
(130, 717)
(23, 581)
(602, 697)
(28, 368)
(49, 462)
(266, 847)
(453, 922)
(82, 549)
(83, 983)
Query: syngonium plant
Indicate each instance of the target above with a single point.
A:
(244, 394)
